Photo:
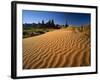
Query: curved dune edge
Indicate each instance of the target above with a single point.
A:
(59, 48)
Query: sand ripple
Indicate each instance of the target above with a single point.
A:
(60, 48)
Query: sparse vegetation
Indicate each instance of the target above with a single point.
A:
(34, 29)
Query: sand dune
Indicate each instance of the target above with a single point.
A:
(59, 48)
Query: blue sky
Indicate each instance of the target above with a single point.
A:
(77, 19)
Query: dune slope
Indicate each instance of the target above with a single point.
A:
(59, 48)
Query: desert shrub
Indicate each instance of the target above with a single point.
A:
(25, 33)
(34, 34)
(40, 32)
(71, 28)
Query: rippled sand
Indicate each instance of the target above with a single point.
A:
(55, 49)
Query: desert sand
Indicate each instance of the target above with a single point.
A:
(55, 49)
